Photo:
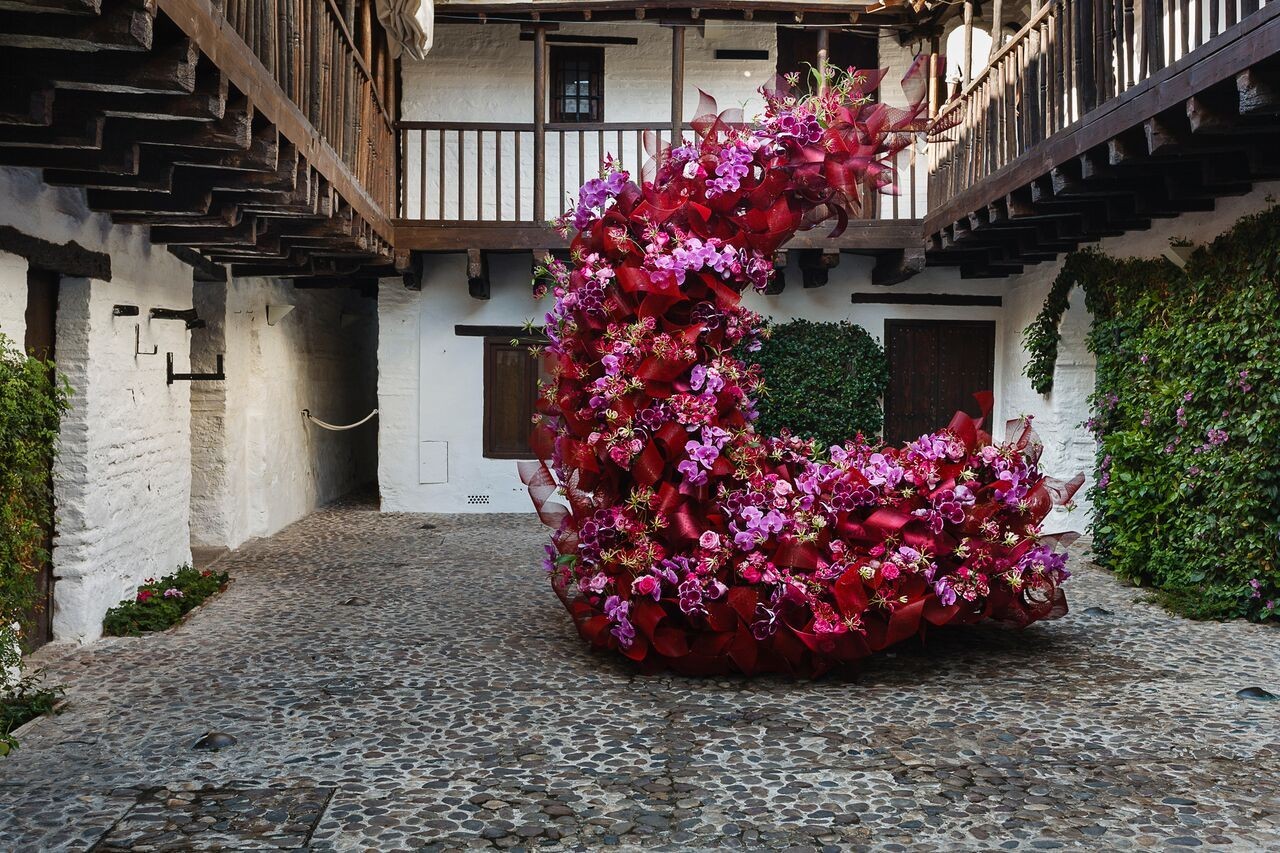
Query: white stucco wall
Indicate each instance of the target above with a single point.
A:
(431, 380)
(122, 478)
(484, 73)
(257, 464)
(13, 298)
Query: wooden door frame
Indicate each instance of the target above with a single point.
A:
(49, 282)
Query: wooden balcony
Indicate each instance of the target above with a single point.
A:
(485, 187)
(256, 132)
(1097, 118)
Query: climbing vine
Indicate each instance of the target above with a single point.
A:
(1186, 413)
(822, 381)
(32, 401)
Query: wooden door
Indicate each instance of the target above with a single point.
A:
(42, 307)
(935, 368)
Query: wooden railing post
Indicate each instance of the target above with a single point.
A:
(824, 57)
(677, 84)
(540, 124)
(935, 85)
(967, 75)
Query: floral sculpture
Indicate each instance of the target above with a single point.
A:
(693, 543)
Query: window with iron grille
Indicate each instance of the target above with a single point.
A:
(577, 84)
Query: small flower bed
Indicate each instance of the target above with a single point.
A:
(161, 604)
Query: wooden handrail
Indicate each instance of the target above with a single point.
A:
(1071, 58)
(592, 127)
(490, 173)
(345, 32)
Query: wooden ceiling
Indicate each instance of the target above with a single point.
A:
(169, 122)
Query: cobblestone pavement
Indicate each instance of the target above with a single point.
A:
(458, 709)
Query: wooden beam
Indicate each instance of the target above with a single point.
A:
(677, 85)
(246, 72)
(871, 236)
(205, 269)
(539, 126)
(897, 266)
(477, 274)
(69, 259)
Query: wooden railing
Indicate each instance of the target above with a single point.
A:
(1071, 57)
(487, 173)
(334, 64)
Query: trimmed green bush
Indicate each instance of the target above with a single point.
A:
(822, 381)
(161, 604)
(1187, 416)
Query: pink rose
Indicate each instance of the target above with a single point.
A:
(647, 585)
(709, 540)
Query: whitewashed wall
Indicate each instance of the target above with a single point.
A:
(122, 478)
(431, 380)
(13, 298)
(484, 73)
(257, 464)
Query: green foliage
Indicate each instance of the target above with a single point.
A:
(822, 381)
(1187, 415)
(1040, 339)
(25, 701)
(151, 609)
(32, 400)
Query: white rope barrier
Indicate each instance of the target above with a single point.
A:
(306, 413)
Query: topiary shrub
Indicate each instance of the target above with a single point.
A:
(822, 381)
(1186, 412)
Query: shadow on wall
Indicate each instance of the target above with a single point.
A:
(257, 463)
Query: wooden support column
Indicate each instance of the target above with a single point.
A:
(824, 56)
(997, 13)
(677, 84)
(935, 71)
(967, 74)
(540, 124)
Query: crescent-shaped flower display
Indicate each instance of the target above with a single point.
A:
(689, 541)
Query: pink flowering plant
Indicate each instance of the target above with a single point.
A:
(162, 602)
(692, 541)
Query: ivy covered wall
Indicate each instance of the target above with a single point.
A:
(1186, 413)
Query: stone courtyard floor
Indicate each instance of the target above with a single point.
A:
(458, 709)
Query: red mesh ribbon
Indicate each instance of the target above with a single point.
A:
(644, 552)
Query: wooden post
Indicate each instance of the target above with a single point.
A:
(997, 13)
(824, 56)
(967, 74)
(935, 85)
(677, 84)
(366, 32)
(540, 124)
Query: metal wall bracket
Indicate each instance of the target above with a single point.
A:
(137, 342)
(217, 376)
(187, 315)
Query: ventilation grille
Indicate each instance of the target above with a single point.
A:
(477, 500)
